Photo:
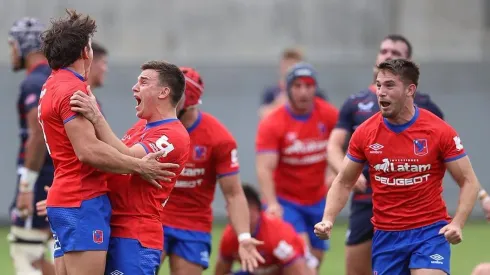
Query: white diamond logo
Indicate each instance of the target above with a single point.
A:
(436, 257)
(376, 146)
(117, 272)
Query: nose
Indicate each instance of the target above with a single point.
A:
(135, 88)
(380, 92)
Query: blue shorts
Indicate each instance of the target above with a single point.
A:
(303, 218)
(84, 228)
(36, 222)
(360, 227)
(396, 252)
(128, 257)
(193, 246)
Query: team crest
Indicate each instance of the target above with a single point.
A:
(200, 153)
(420, 147)
(98, 236)
(322, 128)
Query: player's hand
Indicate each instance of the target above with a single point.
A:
(152, 170)
(274, 209)
(453, 233)
(25, 203)
(86, 104)
(485, 205)
(323, 229)
(361, 184)
(249, 256)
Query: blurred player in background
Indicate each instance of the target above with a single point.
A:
(98, 69)
(291, 146)
(408, 150)
(188, 216)
(284, 250)
(355, 110)
(30, 233)
(79, 189)
(136, 240)
(276, 95)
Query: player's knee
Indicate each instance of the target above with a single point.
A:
(26, 249)
(482, 269)
(311, 261)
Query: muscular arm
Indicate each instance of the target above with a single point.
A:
(297, 267)
(341, 187)
(105, 134)
(462, 172)
(96, 153)
(266, 163)
(236, 203)
(35, 151)
(335, 148)
(222, 267)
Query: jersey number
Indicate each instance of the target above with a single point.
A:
(165, 146)
(41, 121)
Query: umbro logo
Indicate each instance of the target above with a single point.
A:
(436, 259)
(376, 148)
(117, 272)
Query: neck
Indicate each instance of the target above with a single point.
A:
(79, 67)
(163, 113)
(405, 115)
(189, 117)
(297, 111)
(33, 60)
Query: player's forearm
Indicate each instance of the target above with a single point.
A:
(467, 198)
(239, 216)
(106, 158)
(266, 182)
(337, 197)
(105, 134)
(35, 152)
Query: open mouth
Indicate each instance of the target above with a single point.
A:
(384, 104)
(138, 100)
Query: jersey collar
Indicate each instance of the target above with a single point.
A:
(153, 124)
(196, 123)
(398, 128)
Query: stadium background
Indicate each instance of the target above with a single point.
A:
(235, 44)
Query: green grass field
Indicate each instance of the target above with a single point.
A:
(474, 249)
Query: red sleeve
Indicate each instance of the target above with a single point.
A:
(268, 137)
(229, 244)
(226, 157)
(288, 246)
(355, 152)
(451, 145)
(64, 108)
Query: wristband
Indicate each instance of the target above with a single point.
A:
(482, 195)
(28, 179)
(244, 236)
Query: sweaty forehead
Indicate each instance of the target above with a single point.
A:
(148, 74)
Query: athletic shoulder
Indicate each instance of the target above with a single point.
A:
(220, 132)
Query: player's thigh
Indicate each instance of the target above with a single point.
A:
(433, 251)
(84, 228)
(128, 256)
(85, 262)
(422, 271)
(390, 253)
(358, 259)
(27, 247)
(482, 269)
(182, 266)
(59, 266)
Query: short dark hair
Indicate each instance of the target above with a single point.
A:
(98, 49)
(251, 195)
(407, 70)
(169, 75)
(65, 40)
(399, 37)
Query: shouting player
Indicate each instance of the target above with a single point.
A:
(284, 250)
(79, 188)
(291, 162)
(136, 240)
(187, 216)
(357, 109)
(408, 150)
(30, 232)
